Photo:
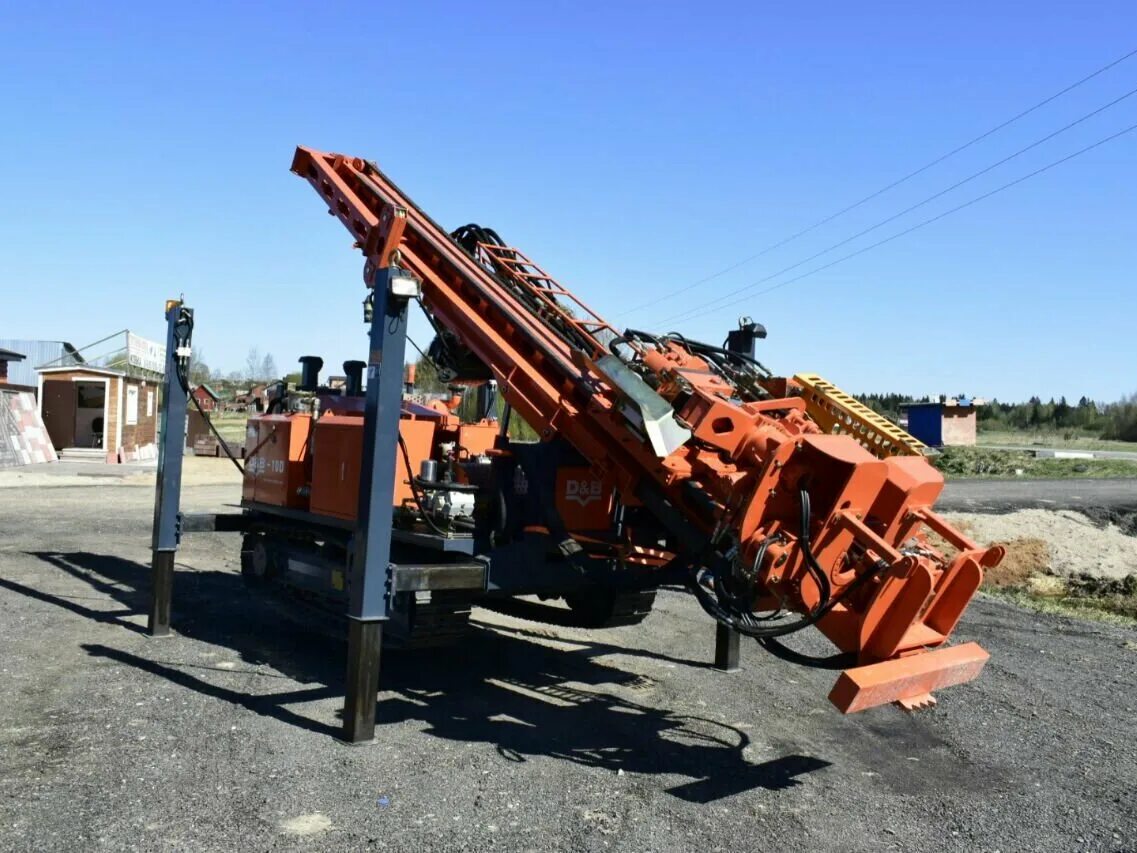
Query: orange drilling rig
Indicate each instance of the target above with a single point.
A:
(780, 503)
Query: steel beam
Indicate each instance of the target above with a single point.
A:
(162, 593)
(371, 571)
(726, 648)
(171, 447)
(486, 400)
(727, 639)
(364, 644)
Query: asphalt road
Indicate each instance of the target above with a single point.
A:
(1005, 495)
(528, 737)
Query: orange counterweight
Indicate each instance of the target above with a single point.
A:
(276, 461)
(336, 452)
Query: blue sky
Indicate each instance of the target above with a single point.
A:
(629, 148)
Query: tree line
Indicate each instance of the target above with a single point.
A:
(257, 368)
(1108, 420)
(1116, 420)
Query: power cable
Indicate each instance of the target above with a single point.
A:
(411, 341)
(181, 367)
(884, 189)
(925, 222)
(907, 210)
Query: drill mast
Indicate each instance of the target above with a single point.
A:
(782, 503)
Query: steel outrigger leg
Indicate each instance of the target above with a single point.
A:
(171, 446)
(727, 639)
(371, 569)
(726, 648)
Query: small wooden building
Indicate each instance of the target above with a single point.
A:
(949, 423)
(98, 409)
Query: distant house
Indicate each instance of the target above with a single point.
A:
(206, 398)
(253, 400)
(948, 423)
(7, 356)
(37, 354)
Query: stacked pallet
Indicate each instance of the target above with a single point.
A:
(23, 438)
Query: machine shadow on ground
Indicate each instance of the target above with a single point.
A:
(504, 686)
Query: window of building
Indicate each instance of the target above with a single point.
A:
(131, 405)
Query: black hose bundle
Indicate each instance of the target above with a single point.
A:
(728, 609)
(186, 319)
(811, 564)
(469, 236)
(739, 369)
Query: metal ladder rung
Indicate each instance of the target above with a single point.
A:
(500, 252)
(516, 261)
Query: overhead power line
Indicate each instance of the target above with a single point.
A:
(883, 189)
(907, 210)
(924, 223)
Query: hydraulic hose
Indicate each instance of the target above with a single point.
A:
(725, 607)
(744, 623)
(183, 381)
(819, 575)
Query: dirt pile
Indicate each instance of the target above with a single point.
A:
(1025, 557)
(1076, 545)
(1079, 564)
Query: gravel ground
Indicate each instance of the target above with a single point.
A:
(197, 471)
(528, 737)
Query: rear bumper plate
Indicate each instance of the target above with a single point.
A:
(907, 678)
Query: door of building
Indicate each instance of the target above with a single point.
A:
(59, 407)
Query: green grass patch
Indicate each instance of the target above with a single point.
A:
(983, 462)
(231, 425)
(1061, 440)
(1084, 597)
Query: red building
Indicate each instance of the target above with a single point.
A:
(206, 397)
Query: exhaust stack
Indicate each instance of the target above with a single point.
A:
(353, 370)
(310, 366)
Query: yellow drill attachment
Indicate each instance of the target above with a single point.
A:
(837, 412)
